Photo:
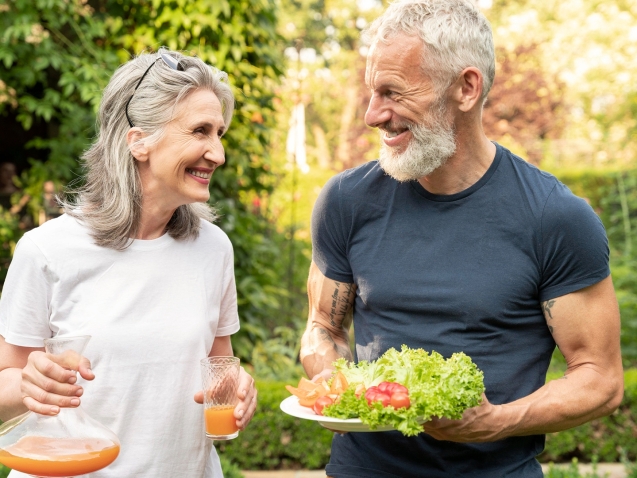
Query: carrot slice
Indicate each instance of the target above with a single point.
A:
(297, 392)
(309, 399)
(305, 384)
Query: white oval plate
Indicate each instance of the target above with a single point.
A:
(291, 406)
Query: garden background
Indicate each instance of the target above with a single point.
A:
(565, 98)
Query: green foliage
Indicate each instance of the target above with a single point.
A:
(230, 470)
(4, 471)
(277, 357)
(571, 472)
(274, 440)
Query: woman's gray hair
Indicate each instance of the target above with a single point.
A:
(455, 35)
(110, 200)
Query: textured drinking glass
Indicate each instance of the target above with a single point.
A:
(220, 377)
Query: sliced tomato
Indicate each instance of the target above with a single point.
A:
(305, 384)
(321, 403)
(310, 398)
(398, 388)
(384, 386)
(297, 392)
(339, 383)
(399, 400)
(360, 390)
(374, 394)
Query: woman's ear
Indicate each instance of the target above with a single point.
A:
(137, 147)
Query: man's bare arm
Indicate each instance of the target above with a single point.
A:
(326, 337)
(586, 327)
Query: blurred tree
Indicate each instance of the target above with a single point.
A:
(57, 55)
(591, 47)
(524, 106)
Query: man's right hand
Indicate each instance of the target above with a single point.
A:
(49, 381)
(326, 374)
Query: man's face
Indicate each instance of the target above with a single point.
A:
(417, 137)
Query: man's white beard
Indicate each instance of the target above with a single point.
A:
(430, 148)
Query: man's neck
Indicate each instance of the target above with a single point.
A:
(465, 168)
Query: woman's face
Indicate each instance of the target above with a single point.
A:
(178, 168)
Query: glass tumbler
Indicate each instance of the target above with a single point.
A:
(220, 379)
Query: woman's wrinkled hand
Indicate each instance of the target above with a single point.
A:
(49, 381)
(247, 393)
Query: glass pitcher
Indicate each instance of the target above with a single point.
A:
(68, 444)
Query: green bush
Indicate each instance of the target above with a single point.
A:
(275, 440)
(230, 470)
(572, 471)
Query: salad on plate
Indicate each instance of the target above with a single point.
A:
(398, 391)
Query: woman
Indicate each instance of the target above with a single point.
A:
(136, 263)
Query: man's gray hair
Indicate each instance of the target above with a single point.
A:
(455, 35)
(110, 201)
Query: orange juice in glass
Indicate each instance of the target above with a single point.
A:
(220, 377)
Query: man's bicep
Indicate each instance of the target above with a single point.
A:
(585, 325)
(331, 301)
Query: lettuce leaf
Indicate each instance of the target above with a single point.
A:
(437, 388)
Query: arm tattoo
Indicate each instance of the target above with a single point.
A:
(325, 336)
(340, 303)
(546, 308)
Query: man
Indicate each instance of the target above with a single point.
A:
(451, 243)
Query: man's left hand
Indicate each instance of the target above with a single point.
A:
(478, 424)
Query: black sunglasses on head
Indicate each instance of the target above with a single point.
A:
(171, 62)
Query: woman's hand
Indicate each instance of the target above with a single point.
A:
(247, 394)
(49, 381)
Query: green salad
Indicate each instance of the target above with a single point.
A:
(437, 387)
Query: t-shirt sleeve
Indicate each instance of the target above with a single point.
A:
(575, 251)
(329, 233)
(26, 297)
(228, 310)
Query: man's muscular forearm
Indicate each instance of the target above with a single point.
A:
(326, 337)
(319, 349)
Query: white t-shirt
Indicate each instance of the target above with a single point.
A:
(153, 311)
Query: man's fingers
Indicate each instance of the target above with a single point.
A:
(199, 396)
(326, 374)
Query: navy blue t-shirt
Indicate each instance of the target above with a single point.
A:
(456, 273)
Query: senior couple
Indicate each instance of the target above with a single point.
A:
(447, 242)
